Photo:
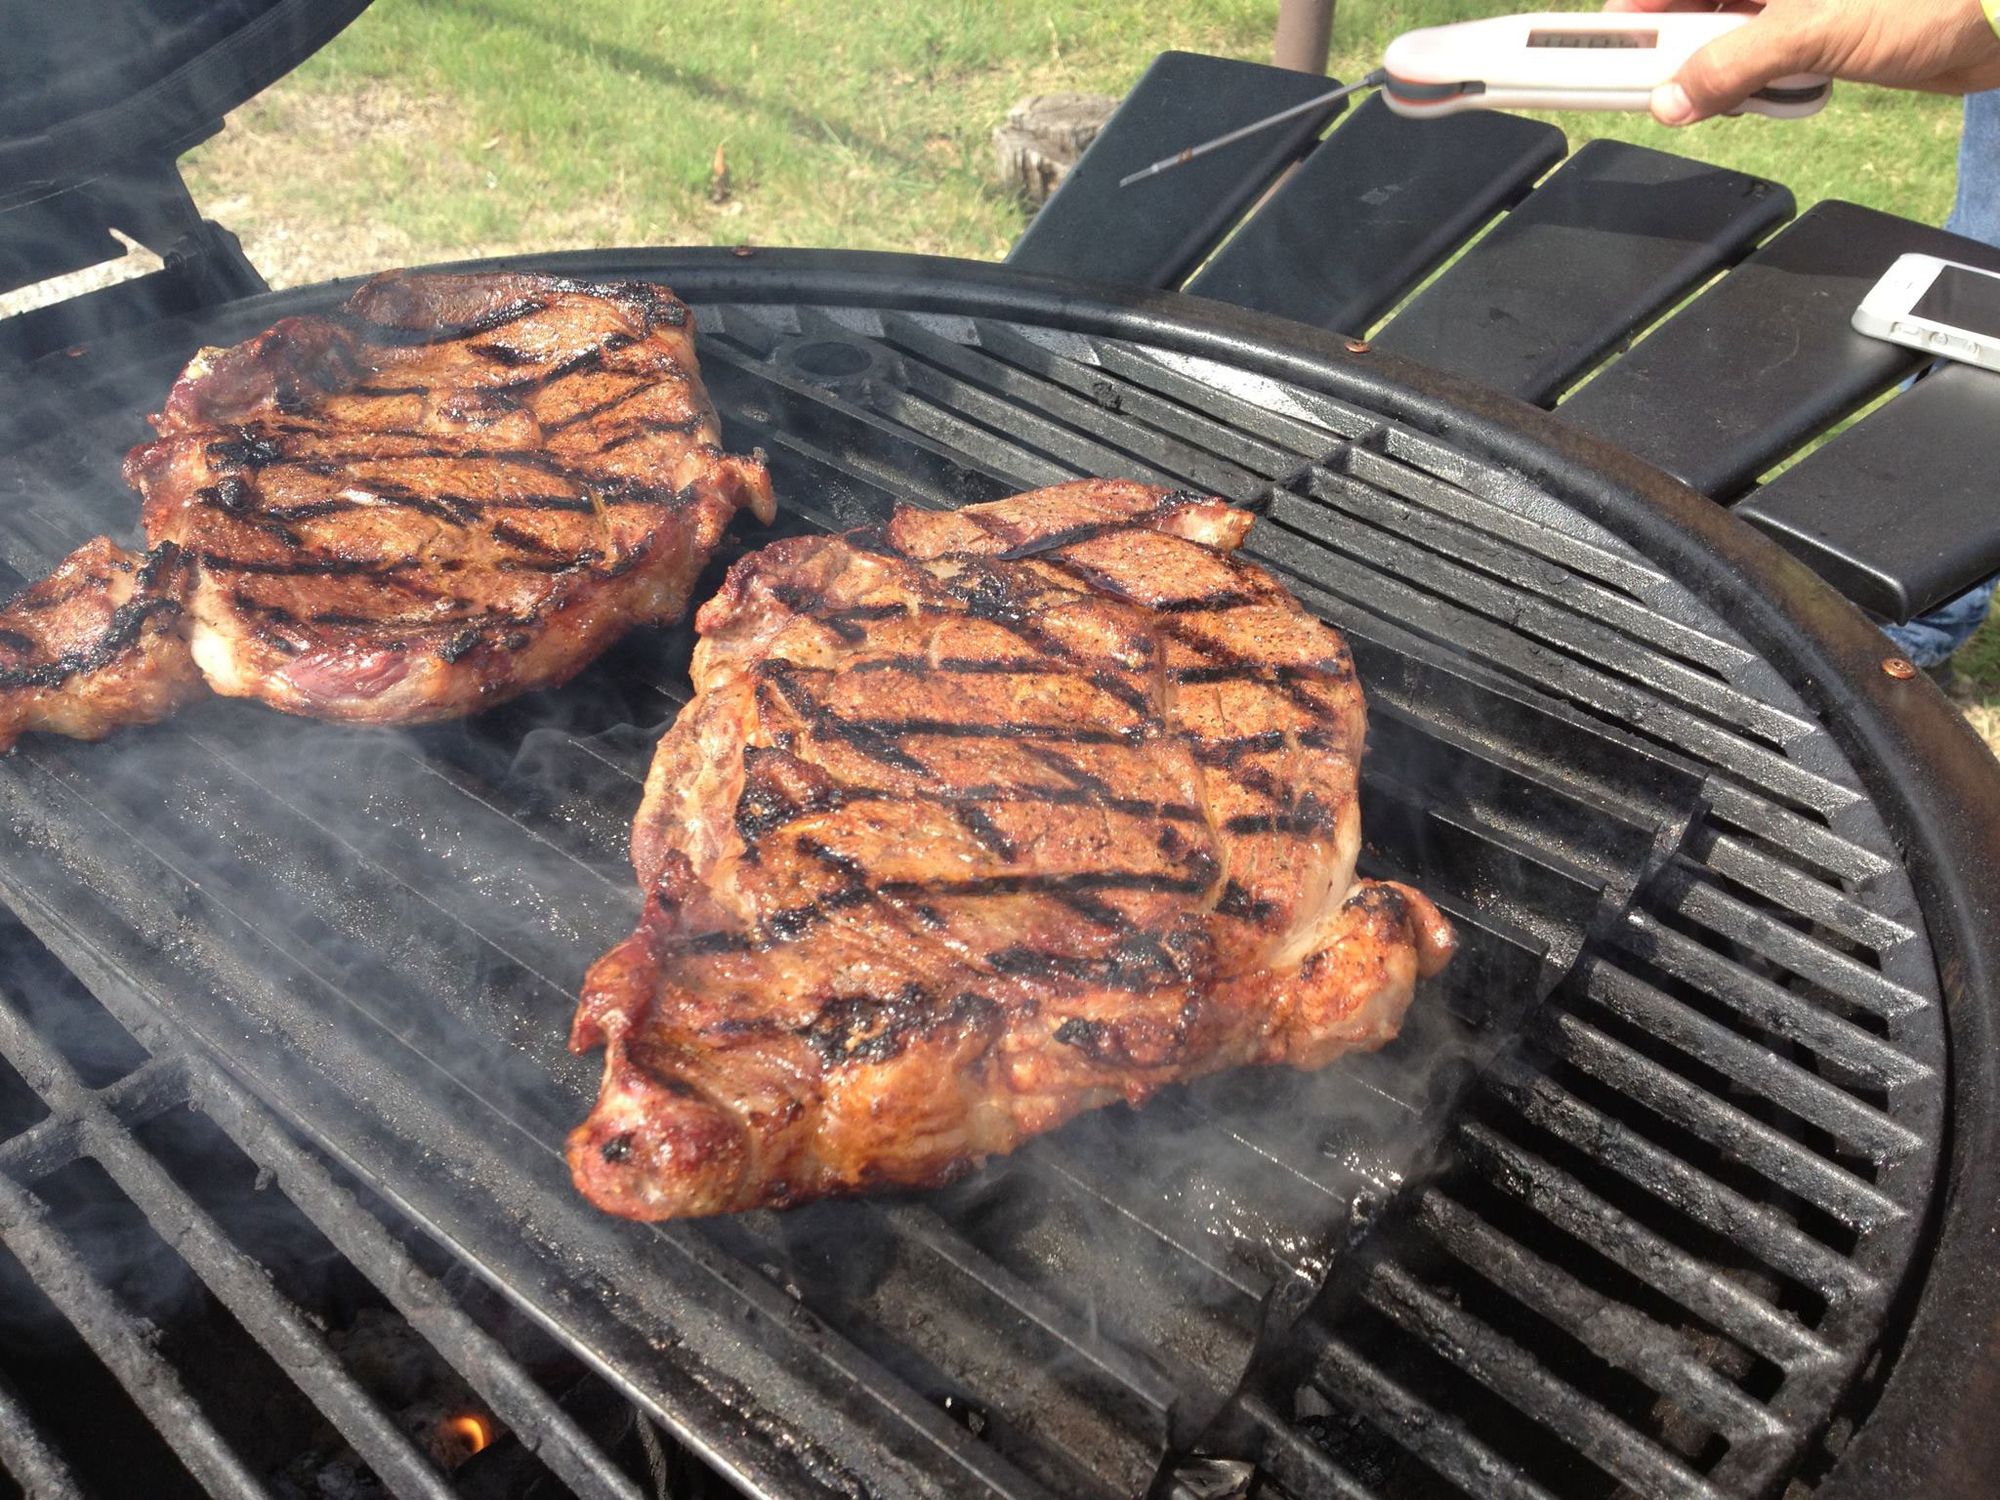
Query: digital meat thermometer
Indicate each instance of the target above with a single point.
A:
(1543, 61)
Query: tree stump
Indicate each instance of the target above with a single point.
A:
(1042, 138)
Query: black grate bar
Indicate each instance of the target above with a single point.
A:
(123, 1343)
(1409, 503)
(1509, 795)
(1818, 901)
(1306, 423)
(1627, 577)
(1133, 1371)
(1642, 1253)
(1858, 1126)
(1775, 1156)
(36, 1467)
(1795, 841)
(1239, 445)
(1051, 1161)
(1759, 1230)
(1621, 1336)
(748, 386)
(1333, 581)
(1460, 702)
(544, 881)
(1436, 1437)
(1857, 983)
(1231, 463)
(237, 1281)
(1543, 890)
(1031, 431)
(568, 792)
(474, 1060)
(150, 1089)
(1020, 466)
(1452, 565)
(1540, 802)
(1091, 440)
(507, 1389)
(1514, 1374)
(1303, 1158)
(1296, 1463)
(1831, 1037)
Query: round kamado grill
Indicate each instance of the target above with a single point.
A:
(1682, 1181)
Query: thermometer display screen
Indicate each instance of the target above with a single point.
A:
(1634, 40)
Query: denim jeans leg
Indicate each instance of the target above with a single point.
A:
(1930, 640)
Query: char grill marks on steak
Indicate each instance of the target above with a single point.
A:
(99, 641)
(453, 490)
(976, 821)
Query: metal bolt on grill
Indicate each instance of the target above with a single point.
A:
(1625, 1212)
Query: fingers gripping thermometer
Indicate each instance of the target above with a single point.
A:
(1542, 61)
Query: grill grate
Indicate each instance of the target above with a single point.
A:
(1625, 1212)
(104, 1125)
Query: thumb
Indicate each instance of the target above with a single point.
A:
(1730, 69)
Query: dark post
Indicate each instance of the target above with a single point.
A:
(1305, 29)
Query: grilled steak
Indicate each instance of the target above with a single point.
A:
(97, 643)
(454, 490)
(976, 821)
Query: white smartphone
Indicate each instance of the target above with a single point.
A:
(1938, 306)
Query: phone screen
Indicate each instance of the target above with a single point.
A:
(1963, 299)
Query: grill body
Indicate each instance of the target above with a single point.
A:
(1655, 1197)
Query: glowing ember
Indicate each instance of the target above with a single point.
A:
(464, 1436)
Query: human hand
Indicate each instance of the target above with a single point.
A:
(1941, 46)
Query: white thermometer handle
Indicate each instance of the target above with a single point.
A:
(1567, 61)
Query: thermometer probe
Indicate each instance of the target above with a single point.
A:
(1542, 61)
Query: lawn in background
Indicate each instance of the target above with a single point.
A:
(434, 129)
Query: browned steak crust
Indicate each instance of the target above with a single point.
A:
(452, 490)
(95, 645)
(977, 821)
(457, 489)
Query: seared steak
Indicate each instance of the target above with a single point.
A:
(97, 643)
(976, 821)
(454, 490)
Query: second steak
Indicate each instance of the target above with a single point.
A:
(977, 821)
(452, 490)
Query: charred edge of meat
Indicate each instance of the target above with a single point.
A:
(654, 306)
(1138, 964)
(1236, 901)
(1381, 899)
(762, 809)
(1226, 752)
(121, 634)
(1085, 531)
(1149, 881)
(872, 1029)
(331, 567)
(1305, 816)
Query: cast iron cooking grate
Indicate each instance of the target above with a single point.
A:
(197, 1301)
(1628, 1210)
